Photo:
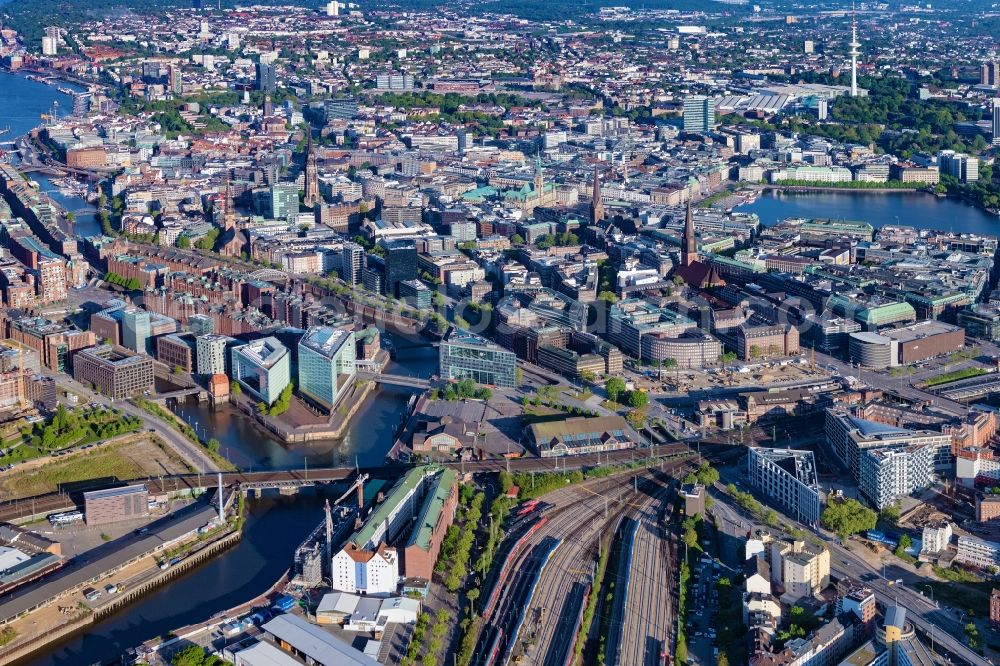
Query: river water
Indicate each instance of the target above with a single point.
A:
(22, 103)
(920, 210)
(366, 442)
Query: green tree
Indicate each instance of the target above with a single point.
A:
(681, 652)
(707, 475)
(638, 399)
(192, 655)
(891, 513)
(848, 517)
(614, 387)
(183, 242)
(506, 481)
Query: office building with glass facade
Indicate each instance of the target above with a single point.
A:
(326, 365)
(465, 355)
(262, 367)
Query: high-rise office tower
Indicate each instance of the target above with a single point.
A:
(50, 41)
(996, 122)
(989, 73)
(352, 263)
(136, 329)
(284, 201)
(400, 264)
(266, 80)
(699, 113)
(176, 81)
(854, 53)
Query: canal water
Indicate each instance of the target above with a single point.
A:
(368, 439)
(920, 210)
(275, 525)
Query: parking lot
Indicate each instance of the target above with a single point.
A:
(700, 627)
(79, 538)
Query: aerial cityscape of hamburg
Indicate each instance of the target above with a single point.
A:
(499, 333)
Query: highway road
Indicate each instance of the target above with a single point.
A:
(896, 385)
(920, 611)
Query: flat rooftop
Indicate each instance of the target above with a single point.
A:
(117, 553)
(920, 330)
(326, 340)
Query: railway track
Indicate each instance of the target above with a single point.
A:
(642, 616)
(575, 521)
(672, 454)
(560, 595)
(645, 629)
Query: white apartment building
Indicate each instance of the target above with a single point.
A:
(936, 537)
(890, 473)
(211, 353)
(366, 572)
(787, 478)
(978, 552)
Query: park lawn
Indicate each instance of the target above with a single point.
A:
(119, 461)
(954, 376)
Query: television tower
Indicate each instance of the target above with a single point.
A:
(854, 53)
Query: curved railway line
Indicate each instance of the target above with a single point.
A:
(551, 621)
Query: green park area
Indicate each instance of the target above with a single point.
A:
(65, 429)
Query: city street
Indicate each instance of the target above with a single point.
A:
(195, 455)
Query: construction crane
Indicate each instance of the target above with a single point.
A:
(52, 115)
(359, 483)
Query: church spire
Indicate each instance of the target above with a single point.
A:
(689, 249)
(312, 195)
(596, 203)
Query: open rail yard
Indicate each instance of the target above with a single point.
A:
(533, 611)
